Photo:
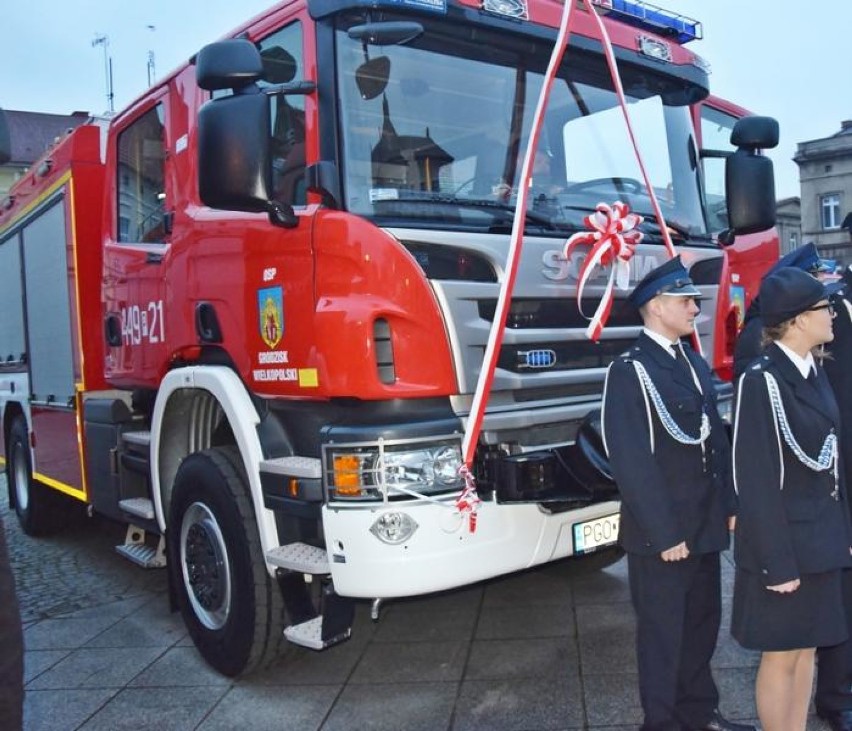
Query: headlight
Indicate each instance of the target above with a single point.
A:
(364, 472)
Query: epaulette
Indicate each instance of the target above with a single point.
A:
(627, 355)
(759, 364)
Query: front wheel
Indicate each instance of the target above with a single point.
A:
(231, 606)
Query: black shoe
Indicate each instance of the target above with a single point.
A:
(719, 723)
(838, 720)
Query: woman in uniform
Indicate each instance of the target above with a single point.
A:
(792, 530)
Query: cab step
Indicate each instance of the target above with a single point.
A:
(310, 634)
(299, 557)
(137, 438)
(141, 507)
(304, 467)
(136, 549)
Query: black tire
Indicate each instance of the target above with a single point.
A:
(231, 606)
(39, 509)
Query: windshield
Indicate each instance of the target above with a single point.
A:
(434, 132)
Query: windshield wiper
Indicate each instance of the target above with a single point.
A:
(531, 217)
(678, 230)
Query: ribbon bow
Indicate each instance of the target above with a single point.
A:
(468, 502)
(613, 238)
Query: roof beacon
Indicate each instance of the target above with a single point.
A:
(653, 19)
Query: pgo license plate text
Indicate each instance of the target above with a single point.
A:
(594, 534)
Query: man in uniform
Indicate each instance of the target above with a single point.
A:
(670, 456)
(833, 699)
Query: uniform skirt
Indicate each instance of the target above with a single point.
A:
(811, 616)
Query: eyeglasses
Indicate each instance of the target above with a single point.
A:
(827, 306)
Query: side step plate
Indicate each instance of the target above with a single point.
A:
(135, 549)
(309, 634)
(300, 557)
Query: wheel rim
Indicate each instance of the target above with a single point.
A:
(204, 561)
(21, 476)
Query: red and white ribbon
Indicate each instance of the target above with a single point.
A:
(468, 502)
(613, 238)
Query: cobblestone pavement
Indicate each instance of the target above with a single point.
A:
(548, 649)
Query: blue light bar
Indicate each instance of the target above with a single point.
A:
(654, 20)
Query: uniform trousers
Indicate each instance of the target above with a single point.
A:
(11, 646)
(678, 609)
(834, 664)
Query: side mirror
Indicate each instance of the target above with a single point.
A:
(371, 77)
(5, 139)
(755, 133)
(234, 159)
(279, 66)
(750, 179)
(231, 64)
(234, 166)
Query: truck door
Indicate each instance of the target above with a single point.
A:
(135, 254)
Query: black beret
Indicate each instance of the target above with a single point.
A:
(789, 291)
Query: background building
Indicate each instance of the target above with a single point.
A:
(32, 133)
(789, 223)
(825, 174)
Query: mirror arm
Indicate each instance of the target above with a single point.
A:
(291, 87)
(282, 215)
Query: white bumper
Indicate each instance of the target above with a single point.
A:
(443, 553)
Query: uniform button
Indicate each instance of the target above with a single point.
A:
(765, 572)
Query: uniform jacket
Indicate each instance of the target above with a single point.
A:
(749, 344)
(838, 368)
(673, 492)
(788, 522)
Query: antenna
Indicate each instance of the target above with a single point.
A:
(152, 69)
(103, 40)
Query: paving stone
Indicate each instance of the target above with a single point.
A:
(177, 667)
(549, 620)
(96, 668)
(522, 704)
(163, 709)
(536, 658)
(63, 710)
(265, 708)
(392, 707)
(409, 662)
(37, 661)
(405, 624)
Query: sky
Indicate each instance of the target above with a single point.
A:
(782, 58)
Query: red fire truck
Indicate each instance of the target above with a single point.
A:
(246, 316)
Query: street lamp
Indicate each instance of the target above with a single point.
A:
(103, 40)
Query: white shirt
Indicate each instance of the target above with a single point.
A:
(662, 341)
(803, 365)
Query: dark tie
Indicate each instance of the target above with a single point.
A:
(679, 355)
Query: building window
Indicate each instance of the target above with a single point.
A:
(830, 210)
(794, 240)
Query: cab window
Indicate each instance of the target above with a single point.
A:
(282, 62)
(716, 128)
(141, 179)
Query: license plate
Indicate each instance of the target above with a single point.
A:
(594, 534)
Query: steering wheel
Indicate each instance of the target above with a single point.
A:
(625, 185)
